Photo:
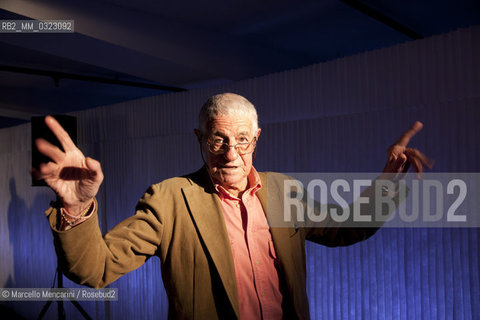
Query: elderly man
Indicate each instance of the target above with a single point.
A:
(220, 258)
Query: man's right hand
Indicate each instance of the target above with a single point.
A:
(74, 178)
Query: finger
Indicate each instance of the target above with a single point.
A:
(399, 162)
(405, 138)
(50, 150)
(60, 133)
(94, 166)
(406, 166)
(417, 165)
(393, 154)
(404, 171)
(47, 169)
(415, 158)
(414, 153)
(392, 158)
(427, 162)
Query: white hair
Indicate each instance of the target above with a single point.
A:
(227, 104)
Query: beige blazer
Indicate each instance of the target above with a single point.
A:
(180, 220)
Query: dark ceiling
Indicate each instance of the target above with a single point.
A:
(150, 47)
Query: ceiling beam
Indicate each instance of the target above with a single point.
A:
(8, 111)
(57, 76)
(377, 15)
(104, 55)
(207, 54)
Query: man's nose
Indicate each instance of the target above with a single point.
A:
(231, 153)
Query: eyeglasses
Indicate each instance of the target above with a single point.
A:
(241, 148)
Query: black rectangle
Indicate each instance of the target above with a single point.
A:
(40, 130)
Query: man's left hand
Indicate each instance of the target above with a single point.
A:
(400, 157)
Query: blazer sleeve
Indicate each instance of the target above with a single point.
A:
(331, 233)
(326, 231)
(91, 259)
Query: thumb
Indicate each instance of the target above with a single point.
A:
(94, 166)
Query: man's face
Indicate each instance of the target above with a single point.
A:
(229, 169)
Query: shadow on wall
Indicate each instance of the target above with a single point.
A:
(30, 248)
(16, 229)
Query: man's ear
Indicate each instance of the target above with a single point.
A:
(199, 135)
(258, 133)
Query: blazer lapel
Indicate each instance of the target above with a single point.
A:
(205, 208)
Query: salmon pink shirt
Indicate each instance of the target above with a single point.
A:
(253, 252)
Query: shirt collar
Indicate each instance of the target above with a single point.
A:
(254, 184)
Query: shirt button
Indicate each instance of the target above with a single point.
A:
(263, 293)
(237, 205)
(257, 262)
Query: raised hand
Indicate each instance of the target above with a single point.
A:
(400, 157)
(74, 178)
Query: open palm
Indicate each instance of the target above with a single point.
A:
(74, 178)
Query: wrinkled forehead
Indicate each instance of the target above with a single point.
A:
(230, 126)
